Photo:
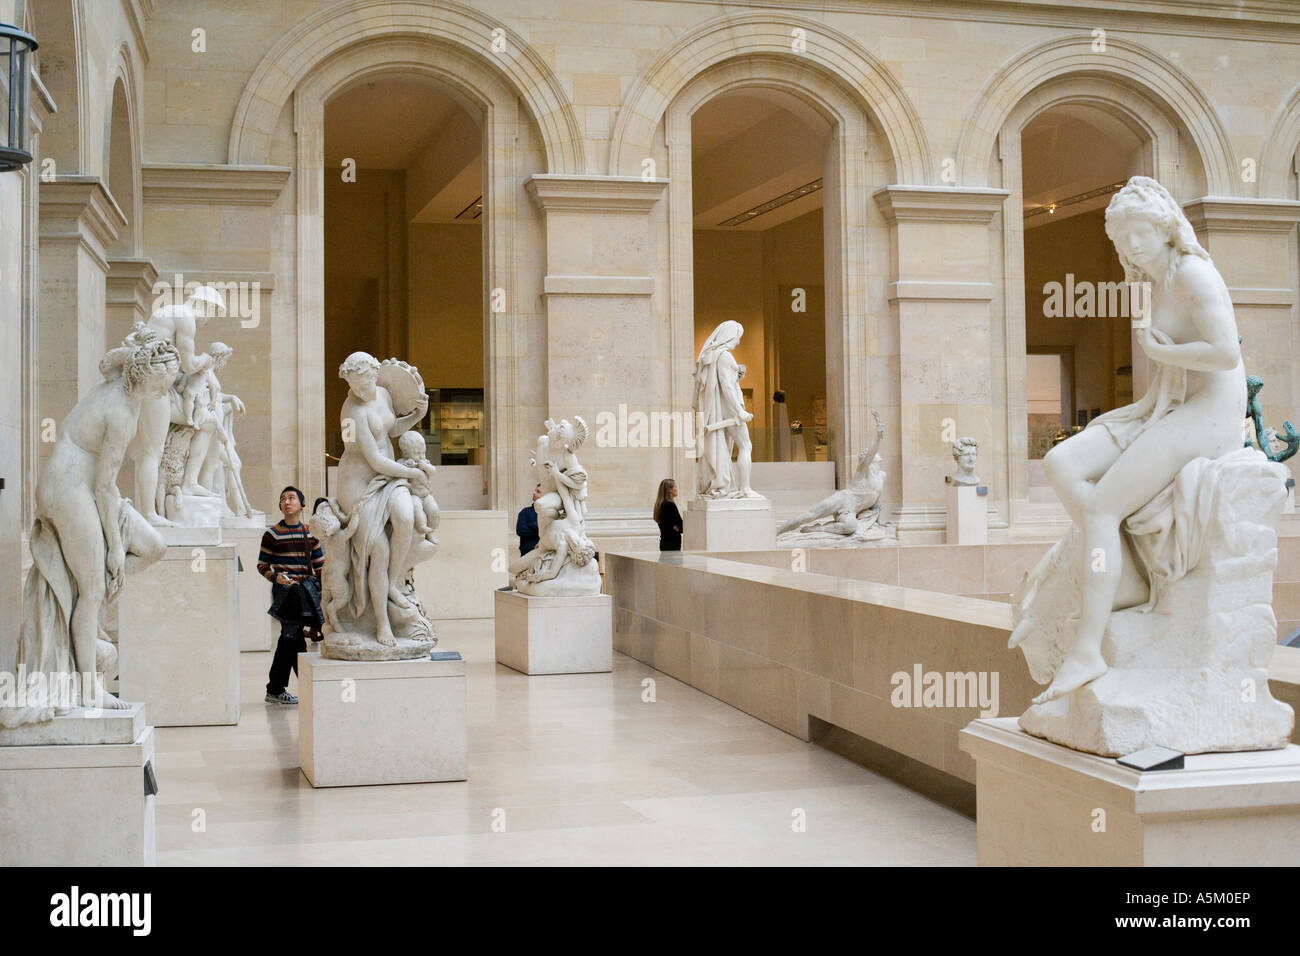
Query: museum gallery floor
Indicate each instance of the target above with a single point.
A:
(563, 770)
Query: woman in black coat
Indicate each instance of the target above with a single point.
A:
(668, 517)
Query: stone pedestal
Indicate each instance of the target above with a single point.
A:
(72, 791)
(729, 524)
(473, 553)
(377, 722)
(182, 536)
(555, 635)
(178, 637)
(257, 631)
(1041, 804)
(968, 519)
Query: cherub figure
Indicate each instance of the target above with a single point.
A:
(413, 449)
(559, 471)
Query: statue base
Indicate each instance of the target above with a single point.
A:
(572, 582)
(343, 646)
(729, 524)
(49, 772)
(178, 637)
(555, 635)
(381, 722)
(257, 629)
(968, 518)
(1039, 804)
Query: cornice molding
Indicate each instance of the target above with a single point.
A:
(80, 209)
(553, 192)
(208, 184)
(1243, 215)
(901, 203)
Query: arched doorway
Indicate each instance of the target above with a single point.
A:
(404, 276)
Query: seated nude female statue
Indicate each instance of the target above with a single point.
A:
(1193, 409)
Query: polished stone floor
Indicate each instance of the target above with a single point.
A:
(584, 770)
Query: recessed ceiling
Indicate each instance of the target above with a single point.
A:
(385, 122)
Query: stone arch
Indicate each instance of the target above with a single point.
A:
(1145, 117)
(1124, 60)
(846, 207)
(832, 57)
(509, 135)
(65, 136)
(450, 25)
(1277, 160)
(121, 169)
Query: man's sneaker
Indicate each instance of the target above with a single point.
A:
(281, 698)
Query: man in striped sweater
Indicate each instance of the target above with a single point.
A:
(289, 556)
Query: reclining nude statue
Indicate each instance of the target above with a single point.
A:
(1171, 515)
(851, 515)
(85, 539)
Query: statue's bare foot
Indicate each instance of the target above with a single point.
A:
(1072, 675)
(198, 491)
(109, 702)
(158, 521)
(386, 638)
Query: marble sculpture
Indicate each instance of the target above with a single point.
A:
(200, 471)
(177, 325)
(564, 562)
(85, 538)
(964, 453)
(851, 517)
(1152, 618)
(378, 527)
(722, 419)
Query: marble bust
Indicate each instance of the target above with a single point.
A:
(564, 562)
(721, 418)
(85, 539)
(964, 453)
(376, 529)
(1171, 515)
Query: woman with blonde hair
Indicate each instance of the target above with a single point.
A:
(668, 517)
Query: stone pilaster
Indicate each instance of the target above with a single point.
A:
(607, 338)
(128, 295)
(79, 219)
(941, 293)
(1253, 245)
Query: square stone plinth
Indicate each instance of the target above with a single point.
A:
(555, 635)
(375, 722)
(178, 637)
(73, 792)
(968, 519)
(1041, 804)
(257, 629)
(729, 524)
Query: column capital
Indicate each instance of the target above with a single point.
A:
(901, 203)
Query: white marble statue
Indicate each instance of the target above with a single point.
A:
(1153, 616)
(721, 418)
(964, 452)
(377, 529)
(564, 562)
(86, 537)
(177, 325)
(851, 516)
(200, 472)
